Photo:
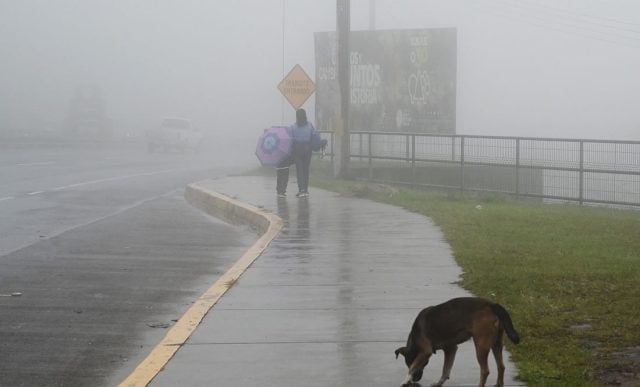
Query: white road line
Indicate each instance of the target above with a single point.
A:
(112, 179)
(36, 163)
(96, 182)
(91, 221)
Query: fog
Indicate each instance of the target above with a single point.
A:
(555, 68)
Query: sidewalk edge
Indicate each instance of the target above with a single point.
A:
(230, 210)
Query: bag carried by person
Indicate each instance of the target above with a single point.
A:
(317, 142)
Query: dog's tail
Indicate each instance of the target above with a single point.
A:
(506, 322)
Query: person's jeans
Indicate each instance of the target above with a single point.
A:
(282, 179)
(302, 158)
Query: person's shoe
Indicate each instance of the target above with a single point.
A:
(302, 194)
(282, 195)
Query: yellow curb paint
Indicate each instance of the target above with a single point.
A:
(186, 325)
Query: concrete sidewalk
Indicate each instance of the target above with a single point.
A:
(328, 301)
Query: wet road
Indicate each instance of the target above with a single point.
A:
(105, 253)
(44, 192)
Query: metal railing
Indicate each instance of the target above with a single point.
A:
(580, 170)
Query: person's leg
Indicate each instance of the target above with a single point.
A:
(299, 160)
(282, 180)
(307, 163)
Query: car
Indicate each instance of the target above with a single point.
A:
(175, 134)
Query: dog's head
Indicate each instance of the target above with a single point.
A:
(409, 357)
(410, 354)
(418, 349)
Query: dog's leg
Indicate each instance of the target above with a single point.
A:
(497, 354)
(449, 357)
(483, 346)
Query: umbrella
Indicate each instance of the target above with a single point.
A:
(274, 145)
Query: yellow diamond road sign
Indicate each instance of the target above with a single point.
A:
(297, 87)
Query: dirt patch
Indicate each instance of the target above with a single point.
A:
(624, 370)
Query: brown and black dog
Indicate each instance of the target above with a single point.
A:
(446, 325)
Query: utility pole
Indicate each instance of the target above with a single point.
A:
(372, 15)
(284, 3)
(343, 29)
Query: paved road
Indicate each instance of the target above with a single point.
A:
(105, 253)
(46, 192)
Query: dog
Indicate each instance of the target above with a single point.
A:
(446, 325)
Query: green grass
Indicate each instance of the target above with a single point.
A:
(569, 275)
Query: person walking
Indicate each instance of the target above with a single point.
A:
(302, 132)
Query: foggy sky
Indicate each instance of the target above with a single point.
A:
(557, 68)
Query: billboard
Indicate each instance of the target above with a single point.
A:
(400, 81)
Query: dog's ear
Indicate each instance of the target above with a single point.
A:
(401, 351)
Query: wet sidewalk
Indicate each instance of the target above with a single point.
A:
(328, 301)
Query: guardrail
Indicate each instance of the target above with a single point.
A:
(580, 170)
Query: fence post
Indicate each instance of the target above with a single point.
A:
(360, 143)
(453, 148)
(406, 146)
(462, 163)
(581, 193)
(370, 153)
(517, 167)
(413, 160)
(333, 149)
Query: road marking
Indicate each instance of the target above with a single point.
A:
(113, 179)
(183, 328)
(91, 221)
(36, 163)
(97, 181)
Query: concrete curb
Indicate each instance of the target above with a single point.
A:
(232, 211)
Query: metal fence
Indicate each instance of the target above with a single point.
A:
(580, 170)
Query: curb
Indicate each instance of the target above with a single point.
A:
(232, 211)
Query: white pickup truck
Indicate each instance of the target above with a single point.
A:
(175, 134)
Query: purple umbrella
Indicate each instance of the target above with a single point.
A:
(274, 145)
